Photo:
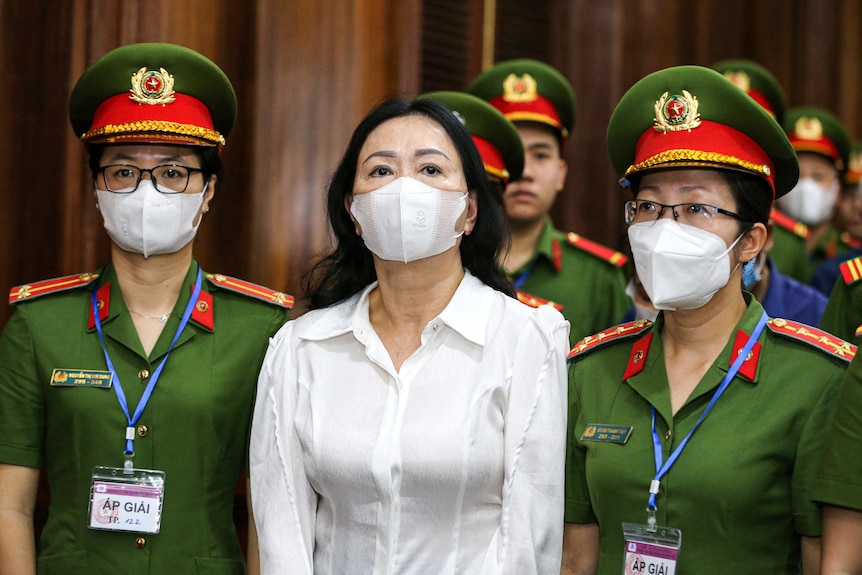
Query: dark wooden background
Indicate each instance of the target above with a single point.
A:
(306, 71)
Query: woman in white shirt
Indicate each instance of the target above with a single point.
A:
(414, 420)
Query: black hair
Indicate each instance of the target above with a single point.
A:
(349, 267)
(208, 156)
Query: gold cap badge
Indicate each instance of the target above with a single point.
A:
(676, 113)
(741, 79)
(151, 87)
(519, 89)
(808, 128)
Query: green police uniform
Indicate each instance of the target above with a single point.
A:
(843, 314)
(741, 491)
(194, 427)
(789, 252)
(839, 481)
(582, 279)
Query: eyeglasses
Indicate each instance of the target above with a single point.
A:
(693, 214)
(167, 179)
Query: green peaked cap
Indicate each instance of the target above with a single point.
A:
(691, 116)
(483, 121)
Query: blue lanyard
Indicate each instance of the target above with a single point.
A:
(118, 388)
(525, 274)
(662, 468)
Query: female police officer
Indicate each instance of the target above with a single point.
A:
(133, 386)
(693, 441)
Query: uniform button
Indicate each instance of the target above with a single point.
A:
(142, 431)
(668, 434)
(143, 374)
(140, 542)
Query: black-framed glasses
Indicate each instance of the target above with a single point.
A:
(691, 213)
(167, 179)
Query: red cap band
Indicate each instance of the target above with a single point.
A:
(539, 110)
(822, 145)
(491, 157)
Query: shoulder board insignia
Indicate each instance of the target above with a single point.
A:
(252, 290)
(851, 270)
(784, 221)
(813, 337)
(598, 250)
(31, 291)
(616, 333)
(536, 301)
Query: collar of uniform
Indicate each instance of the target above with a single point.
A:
(111, 303)
(466, 313)
(549, 246)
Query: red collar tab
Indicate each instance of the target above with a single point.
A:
(596, 249)
(637, 359)
(202, 314)
(851, 270)
(536, 301)
(814, 337)
(103, 302)
(618, 332)
(851, 241)
(782, 220)
(557, 255)
(749, 367)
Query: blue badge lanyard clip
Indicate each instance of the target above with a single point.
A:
(525, 274)
(129, 452)
(661, 466)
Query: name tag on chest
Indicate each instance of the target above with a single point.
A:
(81, 378)
(607, 433)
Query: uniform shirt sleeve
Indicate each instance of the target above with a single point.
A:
(283, 502)
(22, 408)
(532, 518)
(577, 508)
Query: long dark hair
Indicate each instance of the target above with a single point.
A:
(349, 267)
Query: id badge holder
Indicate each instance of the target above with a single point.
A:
(650, 550)
(126, 499)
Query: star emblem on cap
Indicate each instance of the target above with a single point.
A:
(152, 87)
(519, 88)
(676, 113)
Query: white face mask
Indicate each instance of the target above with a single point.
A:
(641, 311)
(809, 202)
(148, 222)
(407, 220)
(680, 266)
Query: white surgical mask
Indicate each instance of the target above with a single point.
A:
(148, 222)
(680, 266)
(809, 202)
(641, 311)
(406, 220)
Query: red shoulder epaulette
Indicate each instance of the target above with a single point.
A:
(813, 337)
(252, 290)
(789, 224)
(536, 301)
(31, 291)
(851, 270)
(616, 333)
(598, 250)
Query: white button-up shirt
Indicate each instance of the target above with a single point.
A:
(454, 464)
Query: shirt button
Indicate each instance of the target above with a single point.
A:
(142, 431)
(140, 542)
(668, 434)
(143, 374)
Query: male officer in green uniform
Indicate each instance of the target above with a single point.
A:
(132, 386)
(582, 279)
(495, 137)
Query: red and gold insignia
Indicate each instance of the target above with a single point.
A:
(858, 331)
(851, 270)
(27, 292)
(252, 290)
(151, 87)
(739, 78)
(808, 128)
(813, 337)
(612, 256)
(676, 113)
(637, 358)
(557, 255)
(519, 88)
(850, 241)
(748, 369)
(536, 301)
(784, 221)
(202, 313)
(103, 303)
(616, 333)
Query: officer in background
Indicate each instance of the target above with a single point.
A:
(495, 137)
(823, 147)
(132, 386)
(781, 295)
(582, 279)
